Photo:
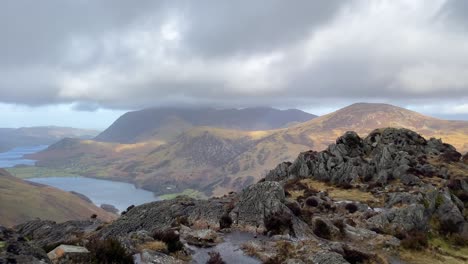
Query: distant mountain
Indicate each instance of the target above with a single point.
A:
(31, 136)
(22, 201)
(166, 123)
(217, 160)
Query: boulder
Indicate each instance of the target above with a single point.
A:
(65, 254)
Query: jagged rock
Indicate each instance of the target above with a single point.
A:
(14, 248)
(154, 257)
(328, 257)
(48, 233)
(67, 254)
(133, 240)
(110, 208)
(261, 200)
(281, 172)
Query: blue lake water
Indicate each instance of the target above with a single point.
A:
(15, 156)
(119, 194)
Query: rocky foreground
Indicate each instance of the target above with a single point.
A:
(392, 197)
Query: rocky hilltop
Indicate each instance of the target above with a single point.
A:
(391, 197)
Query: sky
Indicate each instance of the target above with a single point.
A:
(83, 63)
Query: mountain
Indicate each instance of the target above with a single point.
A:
(22, 201)
(166, 123)
(32, 136)
(392, 196)
(216, 160)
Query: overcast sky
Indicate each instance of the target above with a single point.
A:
(83, 63)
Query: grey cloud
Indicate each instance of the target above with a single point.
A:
(127, 55)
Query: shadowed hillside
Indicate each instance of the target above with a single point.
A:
(23, 201)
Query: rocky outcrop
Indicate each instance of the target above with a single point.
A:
(48, 234)
(328, 257)
(384, 155)
(15, 248)
(161, 214)
(262, 200)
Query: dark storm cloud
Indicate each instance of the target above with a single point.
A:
(123, 54)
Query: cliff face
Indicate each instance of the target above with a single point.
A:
(391, 196)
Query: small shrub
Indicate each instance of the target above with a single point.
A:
(215, 258)
(277, 223)
(321, 229)
(415, 240)
(108, 251)
(294, 207)
(312, 202)
(225, 221)
(351, 207)
(93, 216)
(170, 237)
(355, 256)
(458, 240)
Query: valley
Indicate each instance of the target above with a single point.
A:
(216, 160)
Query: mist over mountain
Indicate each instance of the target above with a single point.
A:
(33, 136)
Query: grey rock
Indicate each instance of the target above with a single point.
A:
(48, 233)
(281, 172)
(67, 254)
(328, 257)
(14, 248)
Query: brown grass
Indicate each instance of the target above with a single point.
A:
(154, 245)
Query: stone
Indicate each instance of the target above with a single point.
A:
(69, 254)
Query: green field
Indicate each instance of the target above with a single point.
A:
(39, 172)
(188, 192)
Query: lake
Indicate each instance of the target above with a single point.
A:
(119, 194)
(15, 156)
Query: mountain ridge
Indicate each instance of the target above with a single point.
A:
(177, 164)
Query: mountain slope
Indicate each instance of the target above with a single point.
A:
(216, 160)
(31, 136)
(166, 123)
(22, 201)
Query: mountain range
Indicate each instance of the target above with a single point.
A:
(171, 150)
(32, 136)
